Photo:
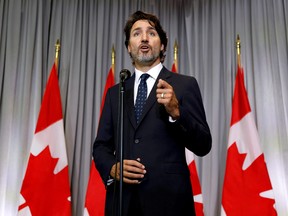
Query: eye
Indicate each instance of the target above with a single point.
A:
(135, 34)
(152, 34)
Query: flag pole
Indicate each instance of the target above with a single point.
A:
(57, 50)
(238, 48)
(176, 54)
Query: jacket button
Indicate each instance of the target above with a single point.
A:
(136, 141)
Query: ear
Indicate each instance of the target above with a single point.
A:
(128, 48)
(162, 47)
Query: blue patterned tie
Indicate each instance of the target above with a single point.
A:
(141, 96)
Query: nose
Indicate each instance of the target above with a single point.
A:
(144, 38)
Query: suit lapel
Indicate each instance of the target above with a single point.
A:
(129, 100)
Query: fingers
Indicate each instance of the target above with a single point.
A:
(164, 92)
(133, 171)
(163, 84)
(166, 96)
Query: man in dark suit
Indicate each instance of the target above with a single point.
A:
(155, 174)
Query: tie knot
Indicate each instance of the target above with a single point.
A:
(144, 77)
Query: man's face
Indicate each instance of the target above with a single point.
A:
(144, 44)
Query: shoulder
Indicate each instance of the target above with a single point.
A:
(178, 77)
(129, 83)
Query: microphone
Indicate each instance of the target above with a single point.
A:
(124, 74)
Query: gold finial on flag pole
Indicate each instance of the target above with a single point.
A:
(175, 50)
(113, 57)
(238, 48)
(175, 54)
(57, 50)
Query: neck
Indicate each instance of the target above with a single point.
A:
(146, 67)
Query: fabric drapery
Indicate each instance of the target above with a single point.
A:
(206, 33)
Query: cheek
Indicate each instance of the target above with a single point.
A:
(132, 45)
(157, 46)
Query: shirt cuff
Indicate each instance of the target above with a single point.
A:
(171, 119)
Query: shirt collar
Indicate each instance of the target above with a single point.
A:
(153, 72)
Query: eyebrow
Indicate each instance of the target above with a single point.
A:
(138, 28)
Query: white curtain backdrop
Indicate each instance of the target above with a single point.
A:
(206, 32)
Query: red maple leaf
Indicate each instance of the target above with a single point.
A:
(242, 188)
(45, 193)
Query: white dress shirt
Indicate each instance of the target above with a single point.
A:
(153, 72)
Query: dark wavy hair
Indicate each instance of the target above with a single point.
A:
(154, 21)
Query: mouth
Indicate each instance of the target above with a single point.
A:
(144, 48)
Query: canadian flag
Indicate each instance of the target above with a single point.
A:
(197, 192)
(96, 192)
(247, 189)
(45, 188)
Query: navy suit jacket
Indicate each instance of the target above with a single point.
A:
(159, 143)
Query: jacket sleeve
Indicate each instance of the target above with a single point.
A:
(192, 124)
(104, 146)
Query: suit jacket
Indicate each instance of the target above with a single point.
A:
(166, 188)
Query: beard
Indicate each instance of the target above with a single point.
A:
(144, 58)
